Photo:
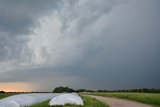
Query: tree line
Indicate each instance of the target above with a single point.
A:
(142, 90)
(2, 91)
(61, 89)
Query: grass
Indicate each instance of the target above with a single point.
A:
(43, 104)
(147, 98)
(3, 95)
(88, 102)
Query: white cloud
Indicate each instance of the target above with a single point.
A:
(62, 38)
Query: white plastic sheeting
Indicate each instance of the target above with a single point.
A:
(69, 98)
(22, 100)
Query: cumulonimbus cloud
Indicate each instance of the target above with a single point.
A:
(81, 41)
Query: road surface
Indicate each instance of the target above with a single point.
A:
(115, 102)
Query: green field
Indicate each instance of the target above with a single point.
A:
(147, 98)
(88, 102)
(3, 95)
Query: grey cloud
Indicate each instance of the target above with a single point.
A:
(109, 45)
(17, 20)
(17, 17)
(86, 13)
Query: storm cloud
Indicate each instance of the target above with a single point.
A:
(107, 44)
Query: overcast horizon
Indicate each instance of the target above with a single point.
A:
(92, 44)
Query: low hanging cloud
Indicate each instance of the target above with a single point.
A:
(76, 43)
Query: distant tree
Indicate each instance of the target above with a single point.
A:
(2, 91)
(62, 89)
(81, 90)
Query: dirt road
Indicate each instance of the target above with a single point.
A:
(115, 102)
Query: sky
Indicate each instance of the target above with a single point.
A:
(92, 44)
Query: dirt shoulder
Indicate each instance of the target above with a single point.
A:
(115, 102)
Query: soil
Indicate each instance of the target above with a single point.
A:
(115, 102)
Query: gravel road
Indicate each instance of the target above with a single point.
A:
(115, 102)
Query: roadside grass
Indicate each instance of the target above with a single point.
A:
(147, 98)
(43, 104)
(88, 102)
(3, 95)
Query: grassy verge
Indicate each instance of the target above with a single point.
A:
(43, 104)
(3, 95)
(88, 102)
(147, 98)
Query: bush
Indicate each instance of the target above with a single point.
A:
(62, 89)
(2, 91)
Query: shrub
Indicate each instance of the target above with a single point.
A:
(62, 89)
(2, 91)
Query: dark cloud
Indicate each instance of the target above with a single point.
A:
(17, 20)
(18, 17)
(84, 44)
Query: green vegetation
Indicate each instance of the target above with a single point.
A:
(91, 102)
(2, 91)
(148, 98)
(43, 104)
(62, 89)
(88, 102)
(141, 90)
(3, 95)
(138, 90)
